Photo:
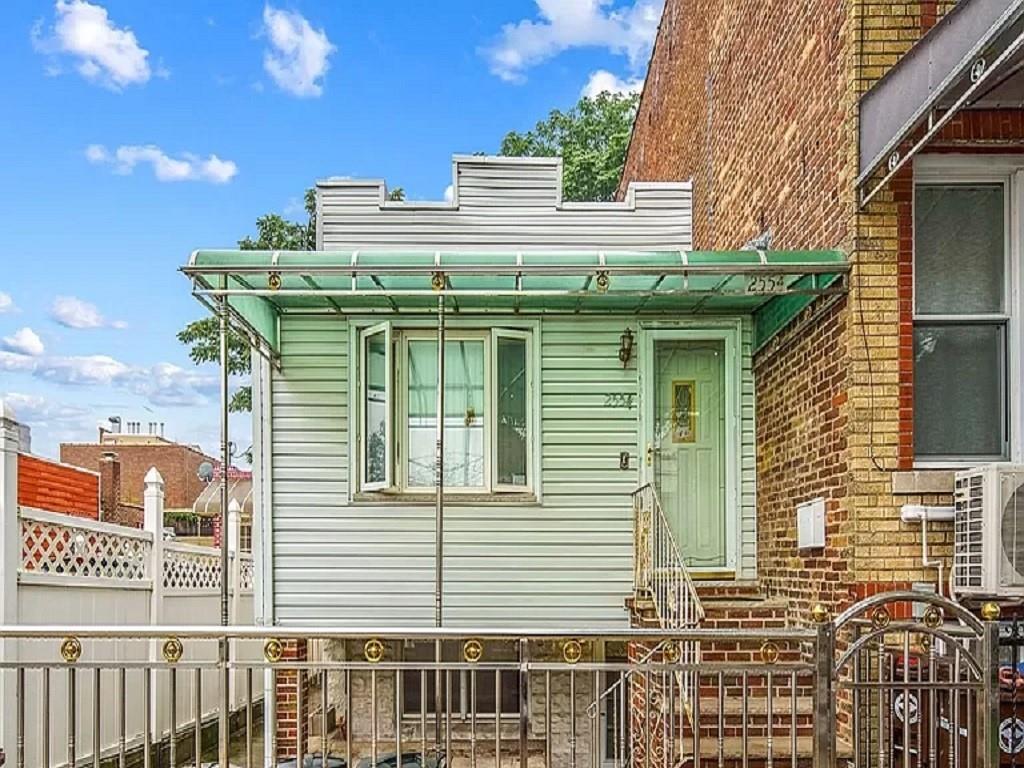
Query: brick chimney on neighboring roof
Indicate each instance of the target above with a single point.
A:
(110, 486)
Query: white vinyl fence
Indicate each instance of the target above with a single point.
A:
(74, 571)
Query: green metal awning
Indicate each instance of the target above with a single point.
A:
(259, 286)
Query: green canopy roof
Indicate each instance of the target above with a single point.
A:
(261, 285)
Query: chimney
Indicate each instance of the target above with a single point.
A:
(110, 485)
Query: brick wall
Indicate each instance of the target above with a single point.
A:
(289, 719)
(749, 98)
(178, 464)
(802, 404)
(57, 487)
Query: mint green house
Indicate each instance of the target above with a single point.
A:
(587, 351)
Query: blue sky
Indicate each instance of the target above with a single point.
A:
(140, 131)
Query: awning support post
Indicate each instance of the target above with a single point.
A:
(225, 463)
(439, 519)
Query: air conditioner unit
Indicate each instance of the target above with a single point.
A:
(988, 556)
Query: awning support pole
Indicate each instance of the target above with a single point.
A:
(439, 519)
(225, 463)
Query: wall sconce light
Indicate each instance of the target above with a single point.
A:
(274, 281)
(626, 347)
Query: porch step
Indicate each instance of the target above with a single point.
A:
(728, 588)
(757, 752)
(745, 612)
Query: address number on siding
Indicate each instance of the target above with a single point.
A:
(766, 284)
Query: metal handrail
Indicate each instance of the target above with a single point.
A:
(239, 632)
(660, 570)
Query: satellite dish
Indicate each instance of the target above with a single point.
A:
(205, 471)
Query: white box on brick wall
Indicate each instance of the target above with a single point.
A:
(810, 524)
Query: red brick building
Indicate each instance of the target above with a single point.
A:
(870, 400)
(125, 459)
(54, 487)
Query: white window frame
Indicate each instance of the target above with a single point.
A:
(364, 370)
(987, 169)
(527, 336)
(398, 338)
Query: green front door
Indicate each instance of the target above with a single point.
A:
(688, 446)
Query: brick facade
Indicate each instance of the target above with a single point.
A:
(57, 487)
(802, 454)
(178, 464)
(290, 720)
(757, 104)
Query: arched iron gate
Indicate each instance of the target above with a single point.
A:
(914, 685)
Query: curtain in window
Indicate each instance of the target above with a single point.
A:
(464, 435)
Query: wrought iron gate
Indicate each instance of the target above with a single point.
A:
(915, 684)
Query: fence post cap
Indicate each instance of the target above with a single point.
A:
(990, 611)
(153, 477)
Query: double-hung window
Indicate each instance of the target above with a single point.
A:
(487, 410)
(963, 318)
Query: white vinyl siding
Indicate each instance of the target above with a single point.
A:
(565, 560)
(509, 203)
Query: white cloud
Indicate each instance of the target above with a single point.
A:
(36, 409)
(187, 167)
(449, 193)
(6, 304)
(298, 57)
(627, 29)
(162, 384)
(603, 81)
(72, 312)
(103, 52)
(24, 341)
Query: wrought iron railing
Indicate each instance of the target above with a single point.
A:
(502, 697)
(660, 573)
(903, 678)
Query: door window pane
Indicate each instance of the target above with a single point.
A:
(464, 413)
(959, 379)
(959, 248)
(511, 407)
(376, 409)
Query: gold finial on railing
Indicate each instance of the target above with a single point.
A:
(472, 651)
(769, 652)
(991, 611)
(671, 653)
(932, 618)
(71, 649)
(273, 650)
(172, 650)
(819, 613)
(572, 651)
(373, 650)
(880, 617)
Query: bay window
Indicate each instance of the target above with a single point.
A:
(486, 416)
(962, 320)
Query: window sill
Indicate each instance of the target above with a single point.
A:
(450, 499)
(923, 480)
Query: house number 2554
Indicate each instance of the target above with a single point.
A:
(619, 400)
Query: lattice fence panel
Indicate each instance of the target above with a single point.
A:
(187, 569)
(48, 547)
(245, 573)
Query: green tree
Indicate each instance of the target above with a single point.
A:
(591, 139)
(273, 233)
